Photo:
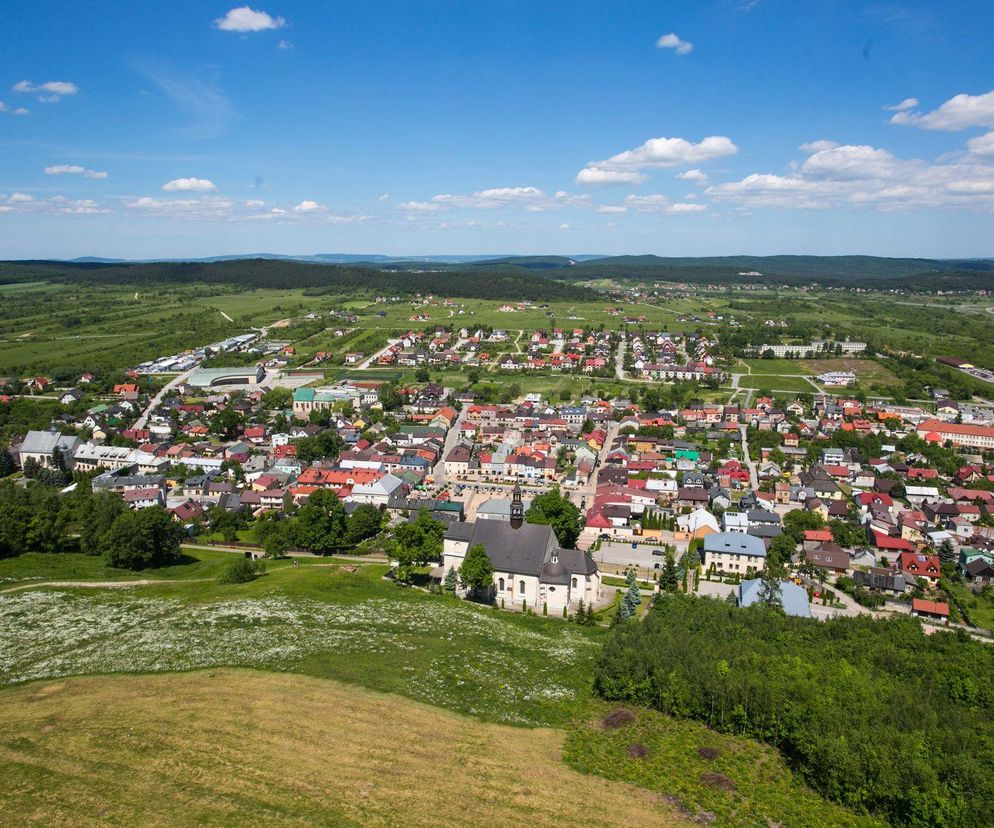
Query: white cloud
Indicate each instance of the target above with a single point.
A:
(420, 207)
(74, 169)
(3, 107)
(612, 208)
(284, 44)
(982, 144)
(695, 175)
(671, 41)
(564, 226)
(661, 204)
(959, 112)
(655, 153)
(308, 206)
(247, 19)
(595, 176)
(254, 203)
(818, 146)
(188, 185)
(531, 199)
(48, 92)
(907, 103)
(56, 205)
(870, 177)
(384, 198)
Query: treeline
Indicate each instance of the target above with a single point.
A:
(331, 279)
(37, 518)
(874, 714)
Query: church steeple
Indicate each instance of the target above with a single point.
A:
(517, 508)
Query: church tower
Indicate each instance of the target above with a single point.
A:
(517, 508)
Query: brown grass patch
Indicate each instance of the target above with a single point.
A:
(638, 751)
(618, 718)
(717, 780)
(709, 753)
(237, 747)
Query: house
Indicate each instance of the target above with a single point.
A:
(793, 598)
(830, 556)
(931, 610)
(885, 580)
(918, 565)
(733, 552)
(40, 446)
(529, 566)
(71, 396)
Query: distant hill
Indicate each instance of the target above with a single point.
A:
(316, 278)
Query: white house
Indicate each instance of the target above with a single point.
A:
(734, 553)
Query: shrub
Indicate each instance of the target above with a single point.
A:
(241, 571)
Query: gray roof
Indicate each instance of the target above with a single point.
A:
(793, 598)
(45, 442)
(527, 549)
(734, 543)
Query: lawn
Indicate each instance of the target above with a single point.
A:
(322, 621)
(775, 382)
(237, 747)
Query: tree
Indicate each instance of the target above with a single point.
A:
(143, 539)
(552, 509)
(633, 596)
(6, 462)
(97, 514)
(796, 522)
(669, 578)
(365, 522)
(947, 553)
(781, 550)
(225, 423)
(416, 542)
(477, 572)
(321, 523)
(451, 581)
(31, 468)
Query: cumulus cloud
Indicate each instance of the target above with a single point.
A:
(247, 19)
(308, 206)
(982, 144)
(74, 169)
(871, 177)
(254, 203)
(56, 205)
(384, 198)
(695, 175)
(612, 208)
(420, 206)
(907, 103)
(656, 153)
(597, 176)
(818, 146)
(959, 112)
(661, 204)
(47, 92)
(531, 199)
(671, 41)
(189, 185)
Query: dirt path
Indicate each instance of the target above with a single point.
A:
(103, 584)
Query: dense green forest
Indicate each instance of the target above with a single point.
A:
(874, 713)
(269, 273)
(514, 276)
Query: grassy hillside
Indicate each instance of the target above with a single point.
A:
(239, 747)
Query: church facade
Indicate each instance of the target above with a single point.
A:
(530, 568)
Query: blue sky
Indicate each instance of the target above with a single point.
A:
(715, 127)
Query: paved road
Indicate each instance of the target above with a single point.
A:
(451, 439)
(143, 419)
(366, 362)
(753, 474)
(619, 360)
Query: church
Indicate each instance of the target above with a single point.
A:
(529, 565)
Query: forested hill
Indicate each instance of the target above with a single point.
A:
(269, 273)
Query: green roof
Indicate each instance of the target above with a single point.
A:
(303, 395)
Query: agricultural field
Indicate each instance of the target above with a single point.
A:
(777, 382)
(285, 750)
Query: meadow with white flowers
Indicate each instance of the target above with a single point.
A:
(497, 666)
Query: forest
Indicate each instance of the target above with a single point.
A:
(283, 274)
(874, 714)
